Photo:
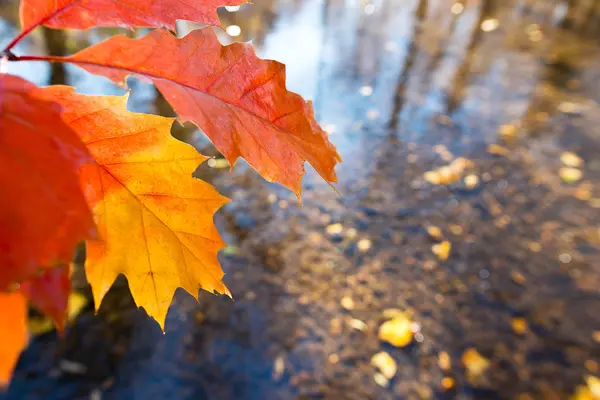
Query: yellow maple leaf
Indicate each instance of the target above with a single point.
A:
(154, 219)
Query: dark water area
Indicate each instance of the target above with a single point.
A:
(404, 88)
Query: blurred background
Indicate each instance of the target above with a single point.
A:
(460, 259)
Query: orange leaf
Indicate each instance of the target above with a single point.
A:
(49, 293)
(13, 332)
(237, 99)
(84, 14)
(155, 219)
(43, 213)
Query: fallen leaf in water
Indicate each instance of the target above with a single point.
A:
(490, 25)
(589, 391)
(385, 364)
(449, 173)
(507, 131)
(569, 108)
(456, 229)
(397, 331)
(475, 363)
(347, 303)
(447, 383)
(471, 181)
(334, 229)
(519, 325)
(442, 250)
(357, 324)
(278, 368)
(517, 277)
(534, 246)
(583, 192)
(571, 159)
(498, 150)
(381, 380)
(435, 233)
(444, 361)
(570, 175)
(364, 245)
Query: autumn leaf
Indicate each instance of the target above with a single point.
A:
(84, 14)
(155, 220)
(237, 99)
(49, 293)
(13, 332)
(43, 213)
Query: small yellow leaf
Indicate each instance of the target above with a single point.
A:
(435, 233)
(442, 250)
(517, 277)
(364, 245)
(397, 331)
(507, 130)
(347, 303)
(334, 229)
(519, 325)
(471, 181)
(447, 383)
(570, 175)
(589, 391)
(444, 361)
(358, 324)
(475, 363)
(381, 380)
(570, 159)
(385, 363)
(498, 150)
(449, 173)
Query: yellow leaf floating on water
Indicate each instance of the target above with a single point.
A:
(589, 391)
(475, 363)
(334, 229)
(381, 380)
(444, 361)
(435, 233)
(508, 130)
(447, 383)
(397, 331)
(593, 384)
(498, 150)
(519, 325)
(449, 173)
(385, 364)
(570, 175)
(442, 250)
(471, 181)
(571, 159)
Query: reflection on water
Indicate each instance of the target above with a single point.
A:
(404, 87)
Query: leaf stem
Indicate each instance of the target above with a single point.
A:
(38, 58)
(40, 22)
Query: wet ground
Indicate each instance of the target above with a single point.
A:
(313, 283)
